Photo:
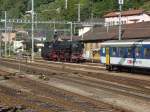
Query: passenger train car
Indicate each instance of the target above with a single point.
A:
(126, 54)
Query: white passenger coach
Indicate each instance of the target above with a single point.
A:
(126, 53)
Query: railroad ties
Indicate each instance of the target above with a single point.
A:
(20, 108)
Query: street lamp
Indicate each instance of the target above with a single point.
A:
(120, 2)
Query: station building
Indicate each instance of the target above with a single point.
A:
(135, 25)
(92, 39)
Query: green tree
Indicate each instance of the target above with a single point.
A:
(46, 8)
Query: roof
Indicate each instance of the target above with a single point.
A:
(129, 31)
(68, 37)
(125, 13)
(125, 43)
(137, 30)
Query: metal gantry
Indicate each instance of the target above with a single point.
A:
(32, 22)
(21, 21)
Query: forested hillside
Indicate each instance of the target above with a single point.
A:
(55, 9)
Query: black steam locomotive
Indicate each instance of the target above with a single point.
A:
(68, 51)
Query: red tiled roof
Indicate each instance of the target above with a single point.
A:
(130, 31)
(125, 13)
(137, 30)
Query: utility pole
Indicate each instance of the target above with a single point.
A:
(71, 34)
(0, 46)
(66, 4)
(92, 16)
(79, 12)
(5, 34)
(92, 20)
(36, 20)
(120, 2)
(32, 13)
(71, 28)
(9, 33)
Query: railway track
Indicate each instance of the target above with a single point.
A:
(142, 93)
(128, 86)
(128, 79)
(94, 66)
(141, 84)
(45, 98)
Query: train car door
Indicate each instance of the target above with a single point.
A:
(107, 56)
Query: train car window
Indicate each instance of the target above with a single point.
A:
(147, 52)
(114, 51)
(103, 51)
(121, 52)
(138, 52)
(129, 52)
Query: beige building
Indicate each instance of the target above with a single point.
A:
(8, 37)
